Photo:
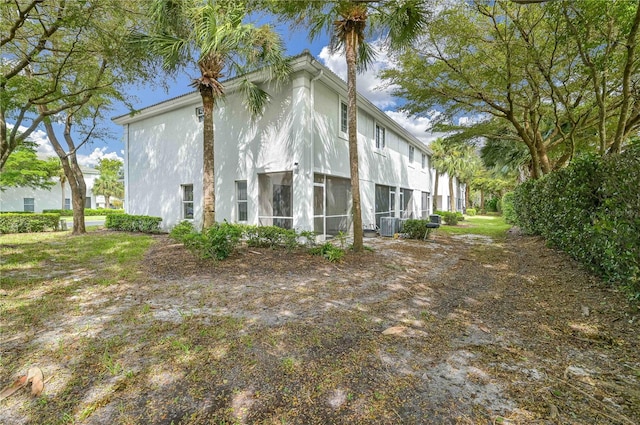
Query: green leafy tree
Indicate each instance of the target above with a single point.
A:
(559, 74)
(213, 35)
(24, 169)
(398, 22)
(63, 65)
(109, 183)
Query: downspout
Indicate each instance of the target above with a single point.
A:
(312, 88)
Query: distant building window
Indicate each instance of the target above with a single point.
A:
(412, 153)
(29, 204)
(381, 141)
(344, 117)
(426, 201)
(187, 201)
(67, 203)
(87, 202)
(424, 161)
(200, 113)
(241, 197)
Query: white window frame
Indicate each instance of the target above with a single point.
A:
(381, 142)
(424, 160)
(412, 153)
(29, 206)
(200, 113)
(185, 202)
(244, 201)
(343, 131)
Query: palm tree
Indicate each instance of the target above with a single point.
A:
(398, 22)
(213, 34)
(108, 186)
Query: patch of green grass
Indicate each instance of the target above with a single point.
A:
(493, 226)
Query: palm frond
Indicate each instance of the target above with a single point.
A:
(254, 98)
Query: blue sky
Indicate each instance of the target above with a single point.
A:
(296, 42)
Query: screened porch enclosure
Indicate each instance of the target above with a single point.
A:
(331, 205)
(276, 199)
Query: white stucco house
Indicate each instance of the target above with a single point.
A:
(289, 168)
(56, 198)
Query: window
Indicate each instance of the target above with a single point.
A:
(344, 118)
(200, 113)
(29, 204)
(187, 201)
(67, 203)
(241, 197)
(425, 205)
(380, 137)
(412, 153)
(87, 202)
(424, 160)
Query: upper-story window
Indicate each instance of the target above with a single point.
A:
(381, 141)
(200, 113)
(344, 117)
(424, 160)
(412, 152)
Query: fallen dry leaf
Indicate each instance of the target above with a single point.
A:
(35, 376)
(484, 329)
(394, 330)
(21, 382)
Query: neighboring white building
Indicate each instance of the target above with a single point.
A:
(37, 200)
(443, 196)
(290, 167)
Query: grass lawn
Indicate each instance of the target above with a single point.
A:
(486, 225)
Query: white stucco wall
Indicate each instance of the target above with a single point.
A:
(12, 198)
(298, 132)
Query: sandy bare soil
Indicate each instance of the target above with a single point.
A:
(456, 330)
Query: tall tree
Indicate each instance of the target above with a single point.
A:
(109, 183)
(24, 169)
(213, 35)
(398, 22)
(522, 64)
(63, 63)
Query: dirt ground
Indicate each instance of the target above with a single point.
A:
(455, 330)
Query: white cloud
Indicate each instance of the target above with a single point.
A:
(44, 149)
(94, 157)
(368, 83)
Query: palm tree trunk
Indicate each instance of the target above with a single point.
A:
(452, 199)
(350, 50)
(107, 204)
(208, 170)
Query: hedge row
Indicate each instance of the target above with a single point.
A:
(25, 223)
(87, 212)
(591, 210)
(133, 223)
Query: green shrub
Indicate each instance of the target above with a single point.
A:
(270, 237)
(491, 205)
(133, 223)
(88, 212)
(26, 223)
(591, 210)
(181, 230)
(328, 251)
(220, 240)
(471, 212)
(450, 218)
(507, 208)
(416, 229)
